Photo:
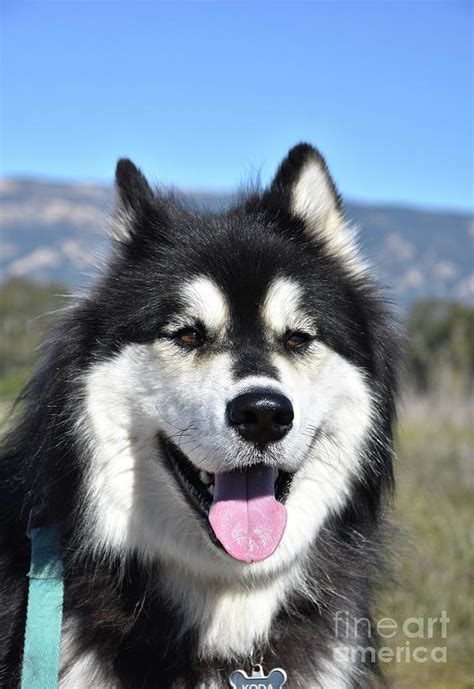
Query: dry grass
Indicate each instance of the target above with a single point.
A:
(435, 561)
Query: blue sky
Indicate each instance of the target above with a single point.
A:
(207, 94)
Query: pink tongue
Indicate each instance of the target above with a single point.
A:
(245, 516)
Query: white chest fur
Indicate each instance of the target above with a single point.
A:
(231, 619)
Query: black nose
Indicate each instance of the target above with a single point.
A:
(261, 416)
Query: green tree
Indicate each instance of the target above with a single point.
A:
(26, 311)
(440, 346)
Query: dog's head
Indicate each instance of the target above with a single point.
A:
(241, 377)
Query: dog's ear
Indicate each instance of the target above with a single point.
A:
(132, 187)
(134, 198)
(304, 187)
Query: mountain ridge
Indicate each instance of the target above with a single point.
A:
(55, 230)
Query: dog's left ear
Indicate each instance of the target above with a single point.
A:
(305, 188)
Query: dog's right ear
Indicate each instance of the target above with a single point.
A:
(134, 198)
(132, 187)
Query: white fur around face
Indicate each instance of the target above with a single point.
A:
(135, 505)
(314, 202)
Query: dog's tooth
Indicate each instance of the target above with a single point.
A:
(211, 490)
(205, 478)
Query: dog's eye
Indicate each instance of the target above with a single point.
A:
(189, 337)
(296, 340)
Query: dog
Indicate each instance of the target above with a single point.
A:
(212, 428)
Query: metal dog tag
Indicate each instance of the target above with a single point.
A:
(257, 680)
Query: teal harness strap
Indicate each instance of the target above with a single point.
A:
(45, 610)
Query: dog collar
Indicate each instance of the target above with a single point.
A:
(42, 642)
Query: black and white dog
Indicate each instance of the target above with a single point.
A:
(212, 425)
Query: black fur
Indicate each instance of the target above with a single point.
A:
(121, 616)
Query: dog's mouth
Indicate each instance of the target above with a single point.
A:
(243, 510)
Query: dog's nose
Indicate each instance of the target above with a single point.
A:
(261, 417)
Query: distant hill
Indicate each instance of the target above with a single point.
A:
(56, 232)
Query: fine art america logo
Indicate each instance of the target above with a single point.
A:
(413, 631)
